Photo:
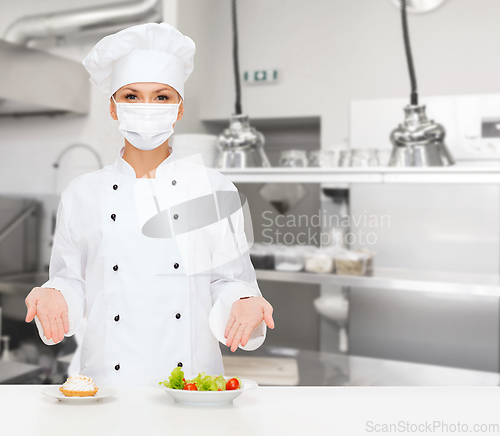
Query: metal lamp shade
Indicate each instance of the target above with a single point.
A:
(419, 142)
(241, 146)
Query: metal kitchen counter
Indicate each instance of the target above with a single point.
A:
(16, 372)
(486, 285)
(270, 365)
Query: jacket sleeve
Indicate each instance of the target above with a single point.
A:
(66, 273)
(233, 276)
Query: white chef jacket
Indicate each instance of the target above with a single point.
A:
(147, 300)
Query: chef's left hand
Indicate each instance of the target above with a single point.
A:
(246, 314)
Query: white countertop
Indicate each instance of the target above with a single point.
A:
(263, 411)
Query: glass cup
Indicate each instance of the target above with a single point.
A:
(364, 158)
(328, 158)
(345, 158)
(322, 158)
(359, 158)
(293, 158)
(384, 155)
(314, 158)
(373, 160)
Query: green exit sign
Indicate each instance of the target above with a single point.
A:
(260, 76)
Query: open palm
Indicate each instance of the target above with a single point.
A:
(49, 305)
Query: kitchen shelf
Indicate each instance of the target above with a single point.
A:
(398, 279)
(457, 174)
(307, 122)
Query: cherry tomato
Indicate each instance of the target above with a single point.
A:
(232, 384)
(190, 387)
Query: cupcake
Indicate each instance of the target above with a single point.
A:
(79, 386)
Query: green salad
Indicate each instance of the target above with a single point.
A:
(201, 382)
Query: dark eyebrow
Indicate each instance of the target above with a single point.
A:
(163, 89)
(159, 90)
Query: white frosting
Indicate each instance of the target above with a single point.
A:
(79, 383)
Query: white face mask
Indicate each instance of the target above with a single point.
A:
(146, 125)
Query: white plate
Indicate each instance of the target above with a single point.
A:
(53, 391)
(204, 398)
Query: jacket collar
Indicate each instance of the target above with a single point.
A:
(162, 171)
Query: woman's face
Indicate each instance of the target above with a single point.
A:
(146, 92)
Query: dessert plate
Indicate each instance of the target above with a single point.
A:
(53, 391)
(204, 398)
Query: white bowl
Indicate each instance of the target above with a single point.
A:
(204, 398)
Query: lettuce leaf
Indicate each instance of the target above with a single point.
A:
(220, 383)
(175, 381)
(205, 382)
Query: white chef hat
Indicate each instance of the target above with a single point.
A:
(151, 52)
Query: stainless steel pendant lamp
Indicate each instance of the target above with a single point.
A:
(418, 142)
(240, 145)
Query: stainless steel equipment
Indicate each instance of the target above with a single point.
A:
(419, 142)
(62, 85)
(19, 235)
(241, 146)
(435, 228)
(64, 23)
(20, 221)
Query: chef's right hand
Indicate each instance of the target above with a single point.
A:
(52, 311)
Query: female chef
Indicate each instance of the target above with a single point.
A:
(152, 249)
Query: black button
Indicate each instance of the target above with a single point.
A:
(174, 182)
(113, 216)
(176, 216)
(115, 267)
(178, 315)
(117, 318)
(176, 265)
(179, 364)
(117, 367)
(115, 187)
